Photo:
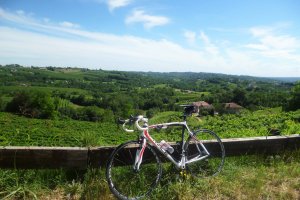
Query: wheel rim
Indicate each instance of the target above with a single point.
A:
(127, 183)
(213, 164)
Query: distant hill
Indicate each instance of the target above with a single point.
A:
(78, 91)
(286, 79)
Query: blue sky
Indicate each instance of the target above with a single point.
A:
(249, 37)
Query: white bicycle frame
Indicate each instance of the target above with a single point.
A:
(146, 138)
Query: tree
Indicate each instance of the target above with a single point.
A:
(1, 103)
(294, 102)
(79, 100)
(239, 96)
(95, 114)
(34, 104)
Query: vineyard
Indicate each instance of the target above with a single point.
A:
(70, 107)
(22, 131)
(38, 132)
(256, 177)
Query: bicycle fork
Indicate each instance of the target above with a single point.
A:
(139, 155)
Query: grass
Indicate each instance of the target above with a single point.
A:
(21, 131)
(245, 177)
(185, 97)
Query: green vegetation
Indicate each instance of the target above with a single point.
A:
(244, 177)
(293, 103)
(245, 124)
(124, 93)
(35, 104)
(258, 123)
(23, 131)
(78, 107)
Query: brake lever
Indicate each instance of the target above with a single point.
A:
(120, 121)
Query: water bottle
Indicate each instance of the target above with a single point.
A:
(166, 147)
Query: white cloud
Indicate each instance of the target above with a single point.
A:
(208, 45)
(260, 31)
(27, 20)
(204, 38)
(46, 20)
(119, 52)
(38, 42)
(68, 24)
(20, 12)
(19, 17)
(269, 43)
(113, 4)
(190, 36)
(149, 21)
(257, 47)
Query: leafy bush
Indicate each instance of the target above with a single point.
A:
(79, 100)
(68, 112)
(93, 113)
(294, 102)
(1, 103)
(151, 112)
(35, 104)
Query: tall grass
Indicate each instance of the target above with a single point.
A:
(244, 177)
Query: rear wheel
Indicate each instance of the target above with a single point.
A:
(123, 180)
(205, 143)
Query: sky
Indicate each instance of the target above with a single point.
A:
(240, 37)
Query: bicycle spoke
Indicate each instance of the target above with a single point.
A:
(211, 165)
(127, 183)
(130, 155)
(121, 161)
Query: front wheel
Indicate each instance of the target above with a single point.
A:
(207, 146)
(124, 181)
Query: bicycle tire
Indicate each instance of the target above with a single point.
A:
(213, 164)
(126, 183)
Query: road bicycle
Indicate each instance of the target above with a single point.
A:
(134, 168)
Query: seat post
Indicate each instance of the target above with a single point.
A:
(184, 117)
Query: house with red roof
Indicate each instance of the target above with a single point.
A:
(232, 108)
(203, 108)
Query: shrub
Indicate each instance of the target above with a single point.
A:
(294, 102)
(151, 112)
(68, 112)
(95, 114)
(1, 103)
(34, 104)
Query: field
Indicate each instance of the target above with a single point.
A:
(40, 132)
(254, 177)
(78, 107)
